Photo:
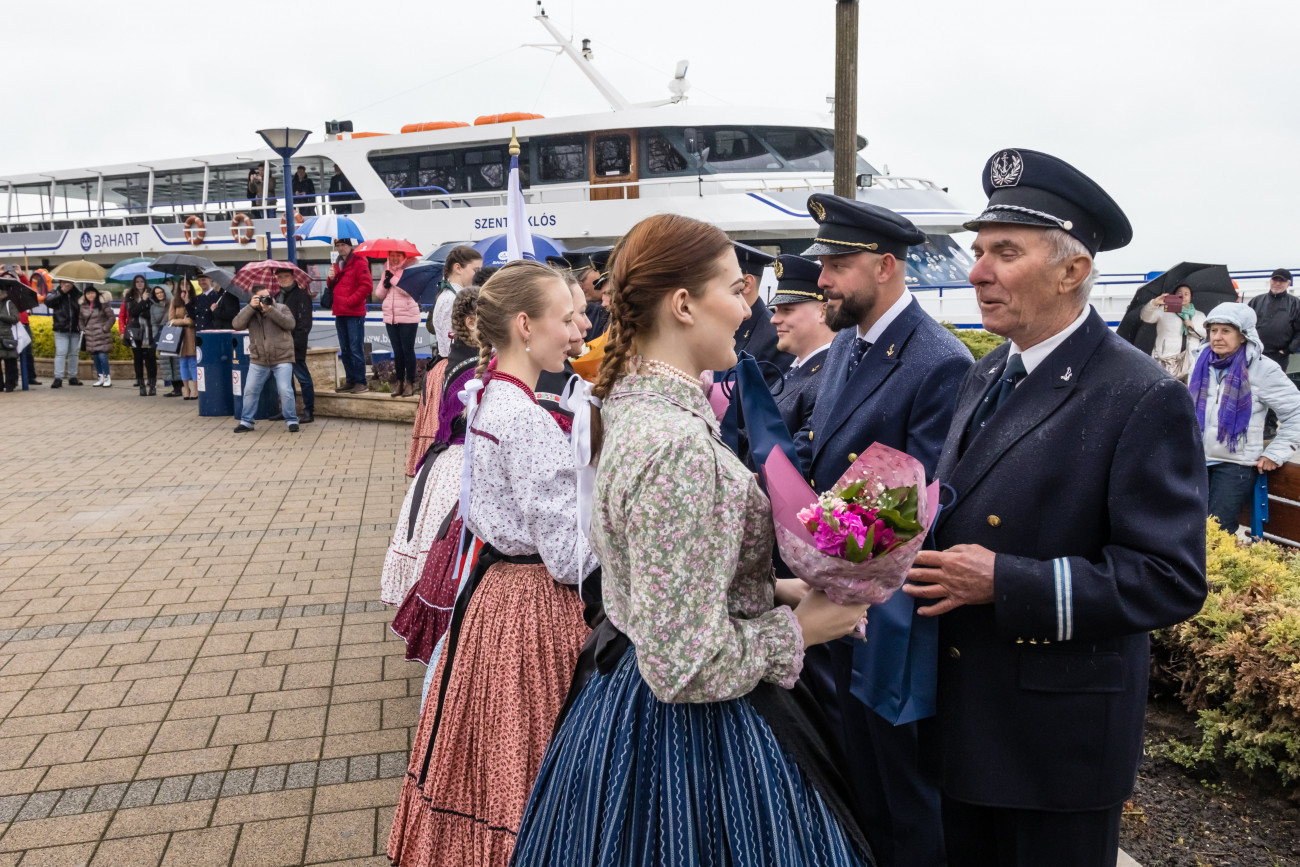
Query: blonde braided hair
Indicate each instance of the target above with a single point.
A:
(518, 287)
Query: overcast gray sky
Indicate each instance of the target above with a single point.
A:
(1184, 111)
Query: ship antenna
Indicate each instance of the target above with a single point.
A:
(615, 99)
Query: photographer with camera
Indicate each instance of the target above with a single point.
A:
(270, 347)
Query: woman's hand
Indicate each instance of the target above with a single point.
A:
(822, 620)
(790, 591)
(1265, 465)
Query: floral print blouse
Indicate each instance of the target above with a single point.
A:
(684, 534)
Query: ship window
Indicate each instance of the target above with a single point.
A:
(485, 169)
(661, 157)
(806, 149)
(735, 150)
(228, 183)
(76, 197)
(128, 193)
(612, 155)
(394, 171)
(32, 201)
(940, 261)
(436, 173)
(562, 160)
(179, 188)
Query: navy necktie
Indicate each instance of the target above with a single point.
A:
(999, 393)
(860, 347)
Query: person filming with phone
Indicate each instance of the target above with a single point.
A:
(270, 347)
(1180, 330)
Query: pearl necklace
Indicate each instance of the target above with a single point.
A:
(653, 365)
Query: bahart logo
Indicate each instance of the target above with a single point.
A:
(85, 242)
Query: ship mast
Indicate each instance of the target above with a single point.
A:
(615, 99)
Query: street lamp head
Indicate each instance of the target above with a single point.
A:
(284, 140)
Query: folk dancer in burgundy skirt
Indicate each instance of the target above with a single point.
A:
(517, 626)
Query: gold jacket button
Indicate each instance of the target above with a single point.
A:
(995, 521)
(810, 433)
(1020, 641)
(853, 456)
(954, 653)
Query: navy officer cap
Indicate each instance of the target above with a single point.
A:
(752, 260)
(849, 226)
(1029, 188)
(598, 261)
(796, 280)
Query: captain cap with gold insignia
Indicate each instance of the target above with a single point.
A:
(752, 260)
(850, 226)
(599, 262)
(796, 280)
(1029, 188)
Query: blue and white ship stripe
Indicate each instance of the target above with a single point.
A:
(1064, 599)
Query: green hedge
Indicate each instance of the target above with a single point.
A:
(979, 342)
(1236, 664)
(43, 341)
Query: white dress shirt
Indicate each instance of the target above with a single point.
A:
(1037, 354)
(895, 310)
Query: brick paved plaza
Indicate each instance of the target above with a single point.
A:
(194, 668)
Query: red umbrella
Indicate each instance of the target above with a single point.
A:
(261, 275)
(379, 248)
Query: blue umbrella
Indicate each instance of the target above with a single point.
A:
(126, 272)
(493, 249)
(421, 281)
(330, 227)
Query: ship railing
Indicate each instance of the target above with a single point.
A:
(213, 210)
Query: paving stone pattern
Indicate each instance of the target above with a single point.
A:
(194, 666)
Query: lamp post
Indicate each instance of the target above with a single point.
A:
(286, 142)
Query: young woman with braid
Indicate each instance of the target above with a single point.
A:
(686, 740)
(517, 626)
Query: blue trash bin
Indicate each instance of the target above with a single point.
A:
(215, 360)
(268, 403)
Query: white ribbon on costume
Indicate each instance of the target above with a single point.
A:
(469, 396)
(578, 399)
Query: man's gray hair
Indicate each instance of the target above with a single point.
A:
(1065, 246)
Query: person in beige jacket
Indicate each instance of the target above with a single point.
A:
(270, 350)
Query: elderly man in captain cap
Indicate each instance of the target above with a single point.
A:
(1075, 526)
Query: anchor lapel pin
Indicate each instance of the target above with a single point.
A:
(1069, 372)
(890, 351)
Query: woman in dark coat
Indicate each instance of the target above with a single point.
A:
(142, 337)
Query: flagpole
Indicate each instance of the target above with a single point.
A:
(519, 240)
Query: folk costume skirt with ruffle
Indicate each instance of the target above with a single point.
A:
(426, 416)
(483, 731)
(631, 780)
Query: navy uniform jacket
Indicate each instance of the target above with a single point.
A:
(757, 336)
(902, 395)
(1089, 484)
(798, 393)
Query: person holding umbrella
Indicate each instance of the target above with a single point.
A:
(349, 280)
(135, 322)
(9, 320)
(401, 319)
(39, 284)
(270, 348)
(289, 284)
(64, 302)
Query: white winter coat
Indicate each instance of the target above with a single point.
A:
(1269, 389)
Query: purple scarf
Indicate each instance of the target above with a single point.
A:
(1234, 399)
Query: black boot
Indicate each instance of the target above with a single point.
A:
(152, 389)
(143, 391)
(58, 383)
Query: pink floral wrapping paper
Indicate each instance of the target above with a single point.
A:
(847, 583)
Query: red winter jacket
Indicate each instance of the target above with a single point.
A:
(352, 287)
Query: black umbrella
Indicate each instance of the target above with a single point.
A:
(226, 280)
(1211, 285)
(182, 264)
(23, 297)
(421, 281)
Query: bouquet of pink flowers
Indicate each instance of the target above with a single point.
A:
(857, 540)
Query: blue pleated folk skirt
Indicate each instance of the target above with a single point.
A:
(631, 780)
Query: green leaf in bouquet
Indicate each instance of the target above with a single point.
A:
(855, 553)
(852, 490)
(901, 513)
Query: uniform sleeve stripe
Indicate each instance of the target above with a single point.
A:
(1057, 578)
(1068, 596)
